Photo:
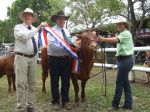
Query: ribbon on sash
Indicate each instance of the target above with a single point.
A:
(65, 46)
(43, 37)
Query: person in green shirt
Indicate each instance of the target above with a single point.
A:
(124, 53)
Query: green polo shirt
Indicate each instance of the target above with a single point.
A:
(125, 46)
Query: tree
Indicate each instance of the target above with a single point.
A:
(43, 8)
(1, 30)
(143, 10)
(57, 5)
(93, 13)
(6, 31)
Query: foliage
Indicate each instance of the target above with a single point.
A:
(43, 8)
(110, 28)
(84, 14)
(57, 5)
(93, 13)
(6, 31)
(148, 24)
(136, 14)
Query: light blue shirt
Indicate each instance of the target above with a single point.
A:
(54, 48)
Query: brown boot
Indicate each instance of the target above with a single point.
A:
(30, 109)
(112, 109)
(67, 106)
(56, 107)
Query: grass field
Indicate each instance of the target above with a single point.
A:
(95, 100)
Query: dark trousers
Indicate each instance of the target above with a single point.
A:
(122, 82)
(60, 67)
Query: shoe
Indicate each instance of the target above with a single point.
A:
(67, 106)
(112, 109)
(146, 82)
(56, 107)
(30, 109)
(127, 107)
(20, 111)
(132, 81)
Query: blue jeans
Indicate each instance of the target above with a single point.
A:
(122, 82)
(59, 67)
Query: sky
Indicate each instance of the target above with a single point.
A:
(3, 8)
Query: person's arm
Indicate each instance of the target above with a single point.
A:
(22, 35)
(108, 40)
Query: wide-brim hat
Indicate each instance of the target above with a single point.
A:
(28, 10)
(59, 14)
(120, 19)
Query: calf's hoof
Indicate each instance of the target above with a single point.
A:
(83, 100)
(10, 93)
(76, 104)
(14, 89)
(43, 90)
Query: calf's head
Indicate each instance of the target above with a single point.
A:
(88, 39)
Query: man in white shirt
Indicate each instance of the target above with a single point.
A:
(26, 37)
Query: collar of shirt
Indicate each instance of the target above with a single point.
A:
(59, 30)
(57, 27)
(27, 25)
(123, 30)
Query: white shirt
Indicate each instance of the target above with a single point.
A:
(23, 35)
(54, 48)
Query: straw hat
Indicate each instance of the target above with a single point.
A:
(59, 14)
(28, 10)
(120, 19)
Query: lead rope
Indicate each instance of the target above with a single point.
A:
(104, 80)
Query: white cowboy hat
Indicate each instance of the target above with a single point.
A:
(28, 10)
(120, 19)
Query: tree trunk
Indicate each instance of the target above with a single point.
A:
(133, 19)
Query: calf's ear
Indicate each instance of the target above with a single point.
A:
(78, 36)
(94, 32)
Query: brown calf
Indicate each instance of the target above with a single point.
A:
(7, 68)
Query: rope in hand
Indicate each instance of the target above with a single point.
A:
(103, 71)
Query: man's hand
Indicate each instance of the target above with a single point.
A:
(44, 24)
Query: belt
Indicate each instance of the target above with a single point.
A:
(60, 57)
(123, 57)
(25, 55)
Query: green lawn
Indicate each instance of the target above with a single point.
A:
(95, 100)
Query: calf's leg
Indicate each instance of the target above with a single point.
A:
(44, 75)
(76, 89)
(13, 80)
(9, 83)
(83, 83)
(148, 78)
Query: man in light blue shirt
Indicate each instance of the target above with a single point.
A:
(59, 63)
(54, 48)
